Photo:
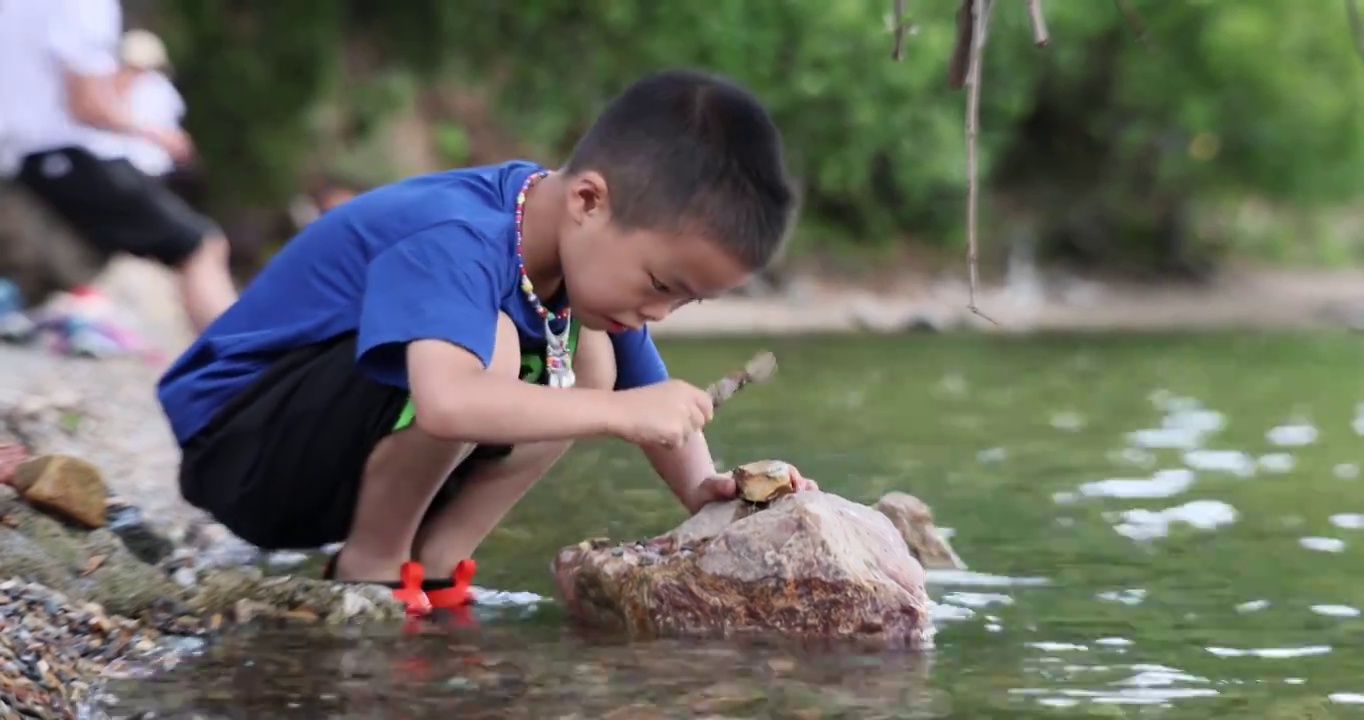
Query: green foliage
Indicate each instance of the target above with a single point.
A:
(453, 143)
(250, 73)
(1255, 97)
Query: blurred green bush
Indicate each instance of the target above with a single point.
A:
(1100, 148)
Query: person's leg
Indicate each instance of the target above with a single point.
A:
(192, 245)
(117, 208)
(205, 281)
(403, 475)
(489, 490)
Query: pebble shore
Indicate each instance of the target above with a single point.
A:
(51, 648)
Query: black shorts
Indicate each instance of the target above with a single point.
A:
(280, 464)
(114, 206)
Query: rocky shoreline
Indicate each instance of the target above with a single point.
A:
(54, 651)
(87, 586)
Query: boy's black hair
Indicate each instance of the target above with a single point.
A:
(682, 149)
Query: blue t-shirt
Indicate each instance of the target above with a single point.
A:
(433, 256)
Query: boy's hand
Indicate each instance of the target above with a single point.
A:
(719, 488)
(663, 414)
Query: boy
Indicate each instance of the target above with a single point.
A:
(403, 371)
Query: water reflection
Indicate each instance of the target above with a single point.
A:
(1172, 549)
(434, 671)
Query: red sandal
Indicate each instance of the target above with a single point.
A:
(453, 595)
(410, 591)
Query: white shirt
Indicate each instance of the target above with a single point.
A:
(153, 101)
(40, 40)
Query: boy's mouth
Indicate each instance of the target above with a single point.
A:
(615, 327)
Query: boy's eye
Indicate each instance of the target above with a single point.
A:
(658, 286)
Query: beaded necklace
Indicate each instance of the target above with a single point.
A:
(558, 355)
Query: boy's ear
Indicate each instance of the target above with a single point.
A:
(588, 196)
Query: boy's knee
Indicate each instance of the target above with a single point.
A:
(595, 363)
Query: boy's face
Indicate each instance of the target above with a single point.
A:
(619, 279)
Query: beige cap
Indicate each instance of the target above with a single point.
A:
(143, 49)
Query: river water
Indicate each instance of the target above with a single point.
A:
(1156, 526)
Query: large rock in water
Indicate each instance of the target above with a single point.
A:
(808, 565)
(38, 252)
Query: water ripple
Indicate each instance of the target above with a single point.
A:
(1142, 524)
(1163, 484)
(1323, 544)
(1283, 653)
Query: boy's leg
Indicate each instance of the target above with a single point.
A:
(305, 455)
(403, 475)
(280, 463)
(490, 488)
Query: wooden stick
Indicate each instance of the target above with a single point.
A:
(760, 369)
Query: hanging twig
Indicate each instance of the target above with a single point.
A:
(1134, 22)
(900, 26)
(960, 63)
(980, 24)
(1356, 25)
(1039, 23)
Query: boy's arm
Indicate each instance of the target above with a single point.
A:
(429, 320)
(689, 471)
(456, 398)
(684, 468)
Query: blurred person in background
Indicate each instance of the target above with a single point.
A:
(326, 193)
(151, 98)
(144, 81)
(59, 87)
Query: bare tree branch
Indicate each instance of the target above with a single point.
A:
(899, 28)
(980, 24)
(1135, 23)
(1039, 23)
(1356, 25)
(960, 63)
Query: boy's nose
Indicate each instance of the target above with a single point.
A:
(655, 312)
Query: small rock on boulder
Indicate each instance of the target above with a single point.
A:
(914, 520)
(807, 565)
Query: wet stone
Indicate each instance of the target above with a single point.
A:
(145, 542)
(780, 563)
